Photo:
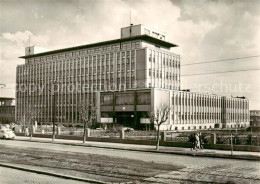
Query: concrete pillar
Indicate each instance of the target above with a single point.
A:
(58, 130)
(88, 132)
(213, 139)
(122, 134)
(163, 136)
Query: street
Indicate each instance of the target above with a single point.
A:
(13, 176)
(112, 165)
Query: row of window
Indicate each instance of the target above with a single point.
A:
(102, 49)
(60, 66)
(207, 115)
(160, 74)
(126, 99)
(207, 102)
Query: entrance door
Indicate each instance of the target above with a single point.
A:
(125, 119)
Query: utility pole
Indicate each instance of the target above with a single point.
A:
(24, 124)
(53, 111)
(53, 115)
(231, 145)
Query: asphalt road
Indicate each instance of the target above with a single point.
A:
(196, 169)
(13, 176)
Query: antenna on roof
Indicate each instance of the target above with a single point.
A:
(29, 40)
(131, 18)
(29, 44)
(130, 24)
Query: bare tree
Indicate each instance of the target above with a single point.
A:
(159, 116)
(88, 114)
(29, 116)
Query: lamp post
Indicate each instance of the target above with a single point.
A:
(53, 110)
(53, 115)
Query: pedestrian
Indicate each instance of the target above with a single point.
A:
(201, 141)
(197, 142)
(26, 131)
(193, 141)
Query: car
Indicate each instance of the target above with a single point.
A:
(7, 134)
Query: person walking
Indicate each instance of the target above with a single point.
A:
(197, 143)
(201, 141)
(26, 131)
(193, 141)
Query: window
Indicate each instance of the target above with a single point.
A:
(106, 99)
(143, 98)
(124, 46)
(125, 99)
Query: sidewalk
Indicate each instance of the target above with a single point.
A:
(147, 148)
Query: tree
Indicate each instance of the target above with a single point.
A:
(158, 117)
(88, 114)
(30, 115)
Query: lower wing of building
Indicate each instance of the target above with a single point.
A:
(189, 110)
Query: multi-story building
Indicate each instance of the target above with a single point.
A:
(7, 110)
(125, 78)
(255, 119)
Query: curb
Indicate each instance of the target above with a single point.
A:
(198, 154)
(52, 174)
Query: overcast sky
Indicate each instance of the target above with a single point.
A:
(204, 30)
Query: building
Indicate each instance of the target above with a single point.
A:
(190, 110)
(255, 118)
(125, 78)
(7, 110)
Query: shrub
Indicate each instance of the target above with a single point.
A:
(71, 132)
(219, 140)
(249, 140)
(236, 140)
(204, 140)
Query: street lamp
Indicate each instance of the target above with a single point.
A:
(53, 109)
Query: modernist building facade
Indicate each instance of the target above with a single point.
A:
(189, 110)
(124, 79)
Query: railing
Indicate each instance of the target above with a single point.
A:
(105, 134)
(238, 139)
(241, 138)
(140, 135)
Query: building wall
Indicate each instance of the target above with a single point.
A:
(75, 76)
(7, 110)
(255, 118)
(163, 69)
(137, 30)
(203, 111)
(7, 114)
(189, 110)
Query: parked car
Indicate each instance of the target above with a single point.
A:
(7, 134)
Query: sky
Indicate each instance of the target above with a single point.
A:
(205, 31)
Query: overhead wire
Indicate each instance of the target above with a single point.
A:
(185, 75)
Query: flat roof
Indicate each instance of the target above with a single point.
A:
(6, 98)
(140, 37)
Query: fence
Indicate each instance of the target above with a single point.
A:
(241, 138)
(140, 135)
(238, 139)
